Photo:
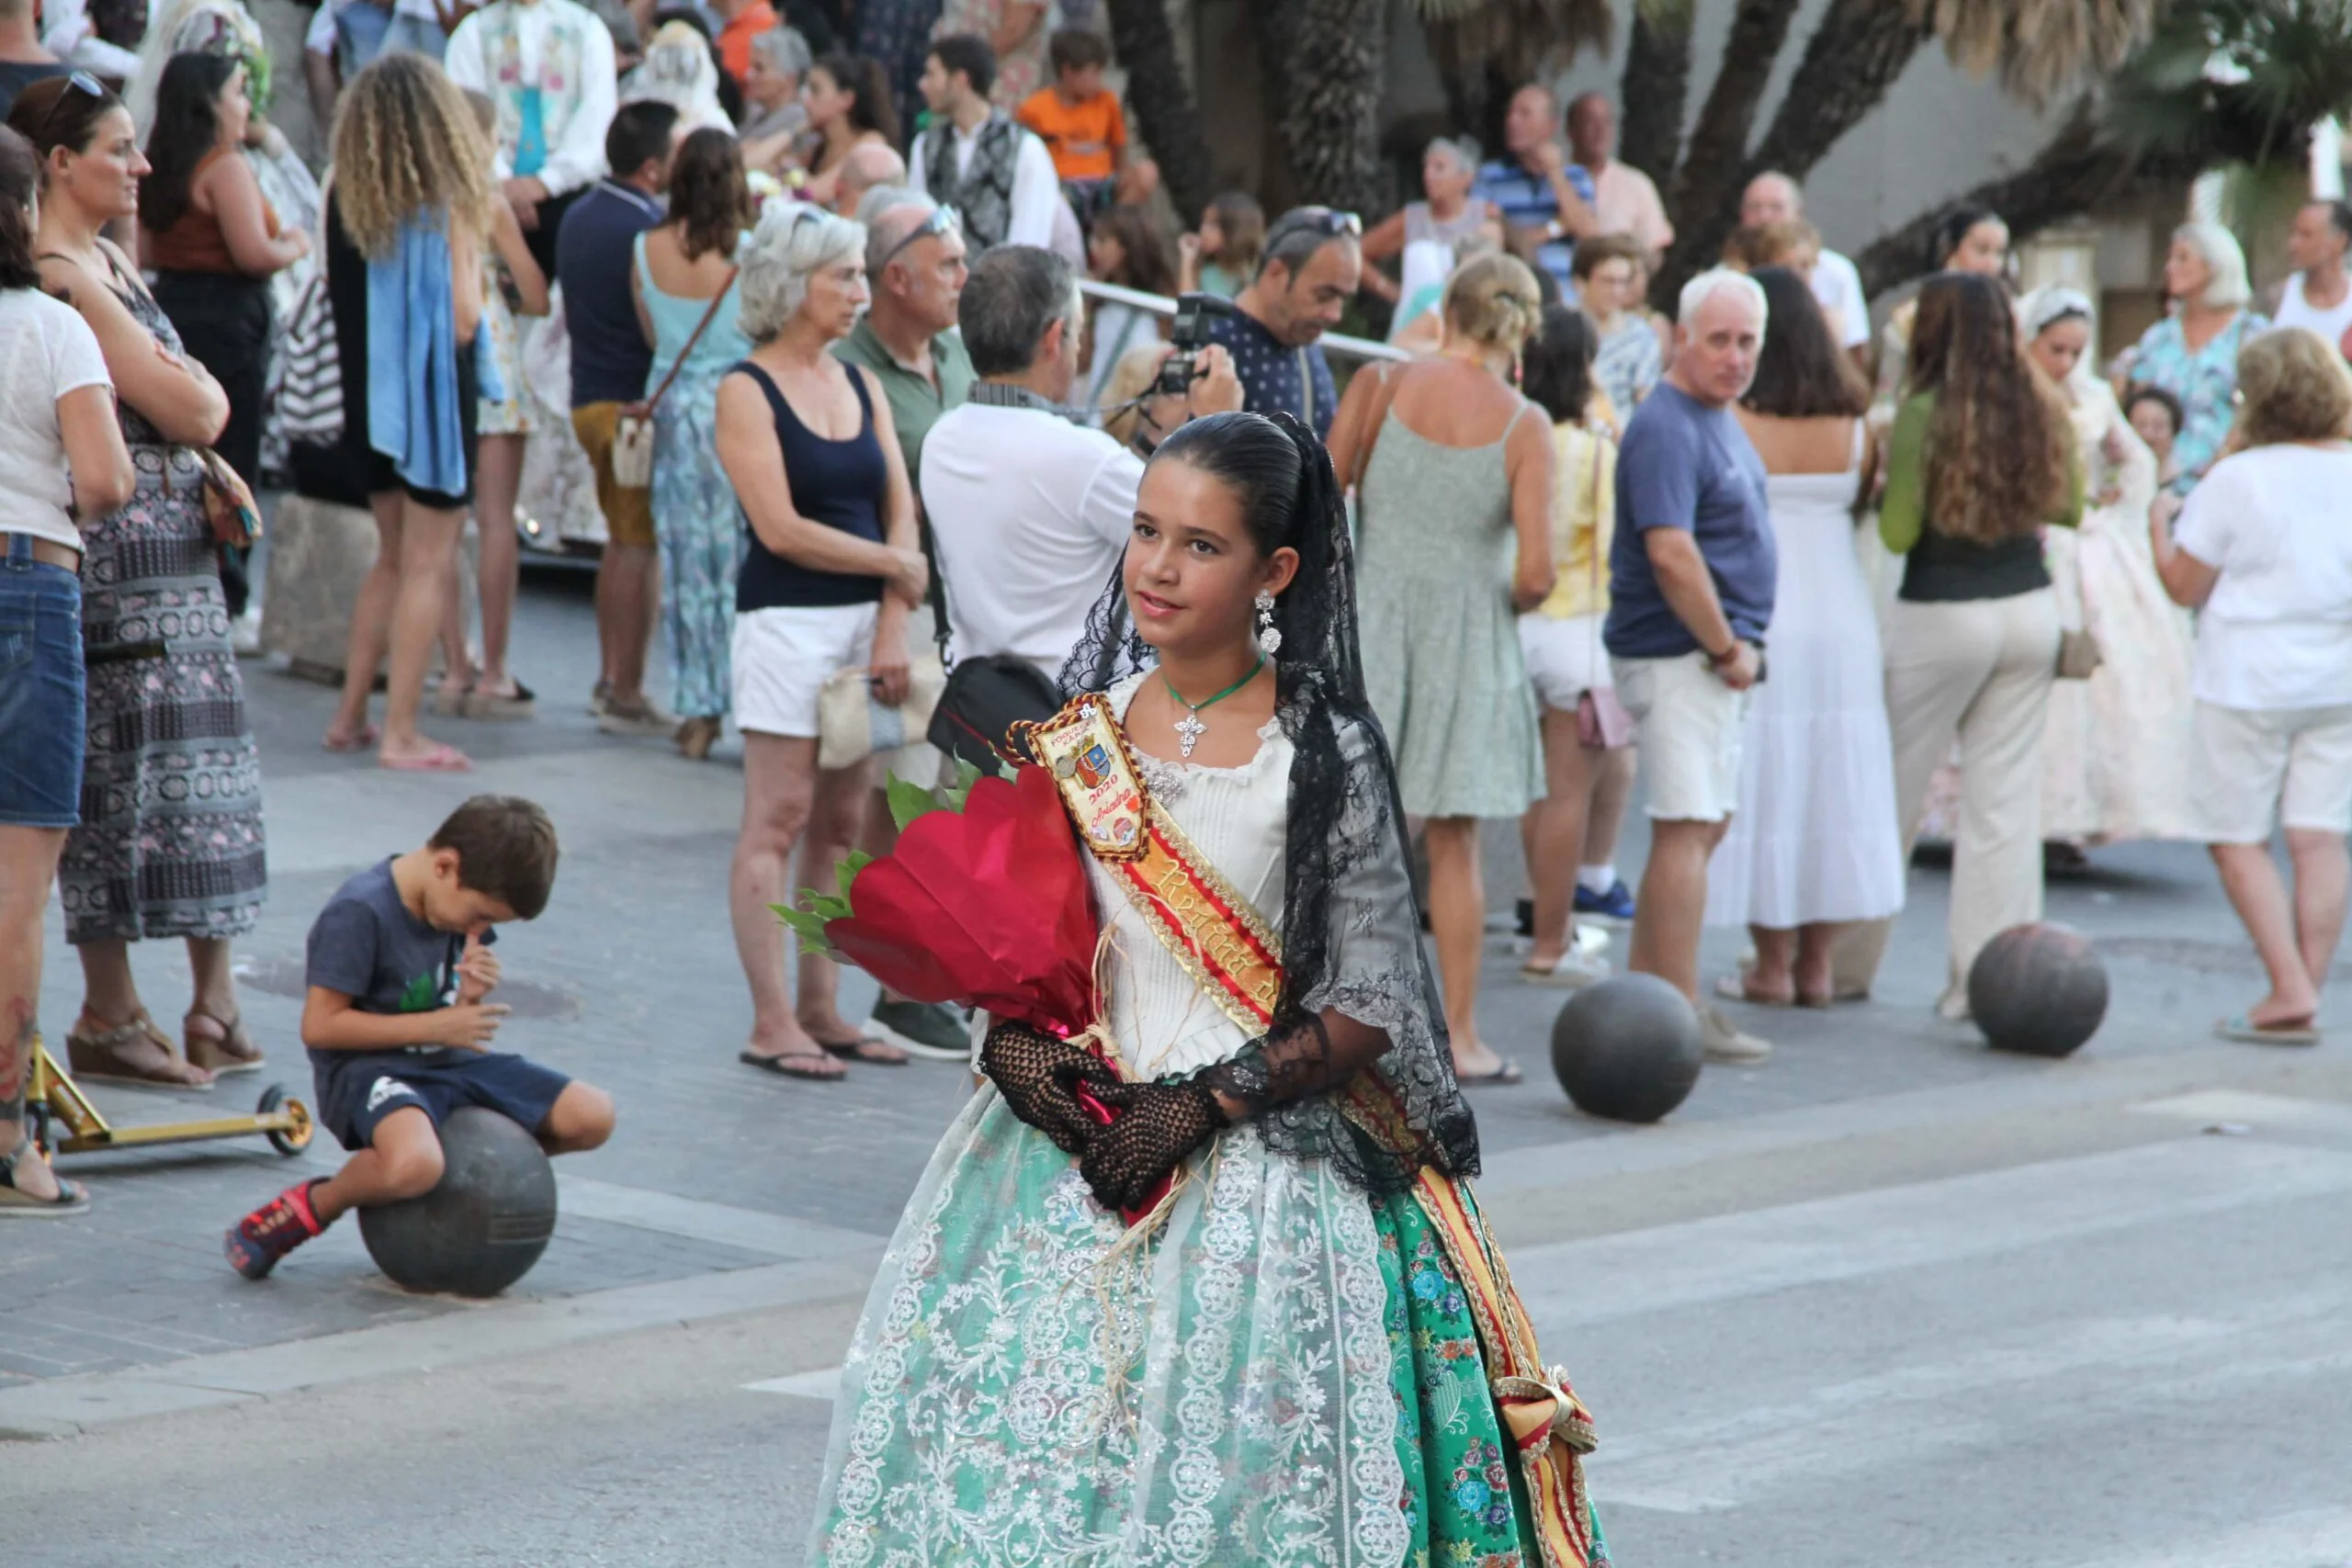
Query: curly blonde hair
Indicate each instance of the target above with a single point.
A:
(407, 143)
(1492, 300)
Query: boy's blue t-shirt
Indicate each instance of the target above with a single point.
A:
(368, 945)
(1683, 465)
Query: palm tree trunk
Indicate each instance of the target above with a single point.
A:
(1162, 101)
(1715, 166)
(1853, 57)
(1332, 125)
(1655, 87)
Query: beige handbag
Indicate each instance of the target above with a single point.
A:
(633, 431)
(853, 726)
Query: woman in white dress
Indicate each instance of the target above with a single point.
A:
(1815, 841)
(2115, 756)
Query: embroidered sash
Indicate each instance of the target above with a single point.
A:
(1229, 949)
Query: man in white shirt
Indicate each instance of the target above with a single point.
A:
(2317, 294)
(71, 33)
(1773, 197)
(1030, 510)
(546, 65)
(974, 158)
(1624, 199)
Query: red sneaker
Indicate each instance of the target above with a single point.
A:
(256, 1243)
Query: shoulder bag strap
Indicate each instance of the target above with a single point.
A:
(1595, 448)
(680, 363)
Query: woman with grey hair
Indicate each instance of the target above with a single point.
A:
(1430, 238)
(2193, 351)
(774, 114)
(830, 574)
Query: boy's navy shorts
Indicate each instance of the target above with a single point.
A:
(358, 1090)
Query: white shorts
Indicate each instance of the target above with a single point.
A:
(2255, 768)
(783, 659)
(1564, 659)
(1691, 727)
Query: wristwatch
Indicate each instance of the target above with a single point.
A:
(1719, 660)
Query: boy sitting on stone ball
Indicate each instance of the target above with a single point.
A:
(398, 1030)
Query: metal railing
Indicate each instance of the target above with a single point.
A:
(1336, 346)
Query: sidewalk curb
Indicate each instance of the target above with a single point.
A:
(494, 1331)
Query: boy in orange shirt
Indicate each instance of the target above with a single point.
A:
(1082, 126)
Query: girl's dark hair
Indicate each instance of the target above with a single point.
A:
(1150, 266)
(61, 112)
(861, 74)
(1343, 814)
(187, 124)
(1952, 228)
(1800, 372)
(709, 196)
(2000, 447)
(19, 177)
(1244, 224)
(1555, 369)
(2141, 392)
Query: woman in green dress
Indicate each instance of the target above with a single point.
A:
(1307, 1351)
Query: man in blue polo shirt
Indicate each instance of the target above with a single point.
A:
(1692, 574)
(1311, 267)
(1547, 201)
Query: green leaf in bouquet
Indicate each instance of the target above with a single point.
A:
(966, 775)
(809, 926)
(846, 873)
(907, 800)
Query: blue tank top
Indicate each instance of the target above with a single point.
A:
(838, 484)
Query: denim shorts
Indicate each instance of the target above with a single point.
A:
(42, 716)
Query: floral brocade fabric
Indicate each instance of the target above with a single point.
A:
(1286, 1375)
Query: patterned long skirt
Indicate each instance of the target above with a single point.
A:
(1287, 1375)
(171, 837)
(700, 527)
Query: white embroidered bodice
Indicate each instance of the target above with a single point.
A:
(1161, 1019)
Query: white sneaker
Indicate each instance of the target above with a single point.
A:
(1722, 1042)
(1574, 971)
(245, 633)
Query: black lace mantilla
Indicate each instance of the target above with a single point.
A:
(1358, 993)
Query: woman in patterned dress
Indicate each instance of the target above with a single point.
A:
(2193, 351)
(171, 837)
(1280, 1363)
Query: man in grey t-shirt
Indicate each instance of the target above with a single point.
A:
(1691, 577)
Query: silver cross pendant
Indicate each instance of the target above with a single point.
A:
(1191, 727)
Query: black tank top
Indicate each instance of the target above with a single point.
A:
(838, 484)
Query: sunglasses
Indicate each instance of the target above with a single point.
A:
(1322, 220)
(79, 81)
(942, 220)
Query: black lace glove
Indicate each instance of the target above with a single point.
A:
(1036, 1072)
(1157, 1125)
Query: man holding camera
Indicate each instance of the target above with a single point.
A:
(1313, 264)
(1028, 509)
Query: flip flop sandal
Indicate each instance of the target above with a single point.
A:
(73, 1198)
(781, 1064)
(444, 758)
(234, 1051)
(501, 706)
(97, 1057)
(1502, 1076)
(344, 745)
(855, 1051)
(2247, 1032)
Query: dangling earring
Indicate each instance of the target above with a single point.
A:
(1269, 641)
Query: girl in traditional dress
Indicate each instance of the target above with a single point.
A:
(2115, 755)
(1285, 1360)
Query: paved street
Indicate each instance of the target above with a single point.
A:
(1891, 1299)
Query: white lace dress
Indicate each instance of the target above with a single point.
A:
(1243, 1387)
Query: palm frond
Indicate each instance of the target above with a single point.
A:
(2234, 81)
(2039, 48)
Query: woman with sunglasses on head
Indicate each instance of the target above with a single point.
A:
(62, 461)
(684, 280)
(171, 841)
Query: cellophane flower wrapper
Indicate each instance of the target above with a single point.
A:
(986, 906)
